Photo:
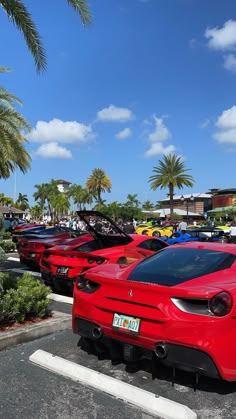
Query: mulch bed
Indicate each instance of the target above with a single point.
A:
(26, 323)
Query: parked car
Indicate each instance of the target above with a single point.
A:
(211, 234)
(177, 307)
(61, 265)
(42, 232)
(154, 230)
(31, 250)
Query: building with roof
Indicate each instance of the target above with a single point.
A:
(223, 203)
(197, 203)
(62, 185)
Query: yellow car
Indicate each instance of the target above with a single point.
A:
(155, 230)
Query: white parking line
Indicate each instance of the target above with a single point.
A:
(61, 298)
(13, 259)
(149, 402)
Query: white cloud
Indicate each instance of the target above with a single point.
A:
(230, 62)
(226, 125)
(61, 132)
(222, 38)
(227, 119)
(161, 132)
(157, 148)
(157, 137)
(53, 151)
(115, 114)
(125, 133)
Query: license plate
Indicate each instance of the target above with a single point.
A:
(126, 323)
(62, 270)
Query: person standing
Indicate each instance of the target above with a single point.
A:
(232, 233)
(183, 226)
(128, 227)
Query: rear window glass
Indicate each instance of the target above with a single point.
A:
(173, 266)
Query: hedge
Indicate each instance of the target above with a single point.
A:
(8, 246)
(22, 298)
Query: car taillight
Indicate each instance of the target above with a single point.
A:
(45, 263)
(86, 285)
(221, 304)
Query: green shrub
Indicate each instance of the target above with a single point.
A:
(7, 281)
(3, 256)
(6, 235)
(26, 300)
(8, 246)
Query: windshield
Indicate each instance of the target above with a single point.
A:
(173, 266)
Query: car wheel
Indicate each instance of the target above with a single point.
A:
(224, 239)
(156, 234)
(145, 232)
(122, 260)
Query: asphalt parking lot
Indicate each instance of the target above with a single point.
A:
(29, 391)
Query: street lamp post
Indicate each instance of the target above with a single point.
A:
(187, 200)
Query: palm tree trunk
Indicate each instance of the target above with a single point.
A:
(171, 196)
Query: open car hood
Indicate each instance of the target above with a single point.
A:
(90, 217)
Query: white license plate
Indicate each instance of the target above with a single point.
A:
(127, 323)
(62, 270)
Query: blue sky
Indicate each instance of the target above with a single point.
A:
(148, 77)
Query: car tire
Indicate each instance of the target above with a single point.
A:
(224, 239)
(156, 234)
(122, 260)
(145, 232)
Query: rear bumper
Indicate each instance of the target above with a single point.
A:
(175, 356)
(60, 283)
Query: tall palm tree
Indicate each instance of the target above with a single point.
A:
(6, 200)
(97, 183)
(148, 206)
(19, 15)
(171, 173)
(60, 205)
(13, 128)
(80, 196)
(22, 201)
(132, 201)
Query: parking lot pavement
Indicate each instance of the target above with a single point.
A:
(27, 391)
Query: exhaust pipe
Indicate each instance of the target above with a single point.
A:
(161, 350)
(97, 332)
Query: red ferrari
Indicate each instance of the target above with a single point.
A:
(177, 306)
(62, 264)
(30, 251)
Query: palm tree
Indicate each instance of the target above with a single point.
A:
(60, 205)
(148, 206)
(36, 212)
(6, 200)
(18, 14)
(132, 201)
(80, 196)
(13, 128)
(97, 183)
(170, 173)
(22, 202)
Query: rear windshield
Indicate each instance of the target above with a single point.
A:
(172, 266)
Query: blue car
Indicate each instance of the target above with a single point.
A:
(211, 234)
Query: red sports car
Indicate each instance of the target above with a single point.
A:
(177, 306)
(61, 265)
(31, 246)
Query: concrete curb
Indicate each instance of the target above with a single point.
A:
(147, 401)
(59, 322)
